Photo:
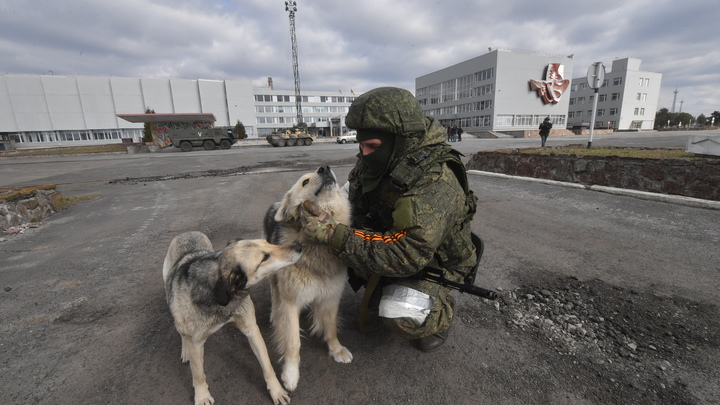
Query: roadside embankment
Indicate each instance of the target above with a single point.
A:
(692, 177)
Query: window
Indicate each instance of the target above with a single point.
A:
(642, 111)
(637, 111)
(589, 113)
(602, 97)
(617, 81)
(572, 101)
(503, 120)
(647, 82)
(581, 100)
(571, 114)
(637, 97)
(448, 90)
(285, 99)
(613, 111)
(644, 97)
(484, 75)
(642, 80)
(615, 96)
(523, 120)
(583, 86)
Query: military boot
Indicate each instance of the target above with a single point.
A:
(435, 341)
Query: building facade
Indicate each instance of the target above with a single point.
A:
(49, 110)
(499, 91)
(627, 99)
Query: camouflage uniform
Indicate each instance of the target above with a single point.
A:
(418, 215)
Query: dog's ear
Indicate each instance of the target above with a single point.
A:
(221, 292)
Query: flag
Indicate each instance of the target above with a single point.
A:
(351, 91)
(340, 91)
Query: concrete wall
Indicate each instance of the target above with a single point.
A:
(699, 178)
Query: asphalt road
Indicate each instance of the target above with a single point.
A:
(84, 318)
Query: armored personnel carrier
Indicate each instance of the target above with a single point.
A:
(289, 138)
(208, 138)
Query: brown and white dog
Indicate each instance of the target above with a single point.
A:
(206, 290)
(317, 280)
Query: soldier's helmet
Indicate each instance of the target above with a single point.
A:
(387, 109)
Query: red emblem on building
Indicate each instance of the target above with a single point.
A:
(553, 87)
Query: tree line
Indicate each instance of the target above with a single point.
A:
(666, 119)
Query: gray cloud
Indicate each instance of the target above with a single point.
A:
(356, 44)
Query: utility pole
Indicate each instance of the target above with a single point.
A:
(674, 98)
(291, 7)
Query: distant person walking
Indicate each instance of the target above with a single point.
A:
(459, 132)
(545, 128)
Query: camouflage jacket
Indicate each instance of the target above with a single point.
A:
(418, 215)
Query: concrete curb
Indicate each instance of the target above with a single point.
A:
(643, 195)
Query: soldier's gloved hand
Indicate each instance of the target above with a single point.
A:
(317, 224)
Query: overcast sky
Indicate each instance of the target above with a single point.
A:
(359, 44)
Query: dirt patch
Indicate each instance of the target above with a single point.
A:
(623, 346)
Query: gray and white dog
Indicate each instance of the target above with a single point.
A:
(206, 289)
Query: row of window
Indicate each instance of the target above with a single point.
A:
(601, 98)
(284, 109)
(616, 82)
(454, 89)
(289, 120)
(461, 108)
(527, 120)
(72, 136)
(601, 112)
(266, 98)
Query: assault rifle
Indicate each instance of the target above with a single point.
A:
(468, 286)
(438, 276)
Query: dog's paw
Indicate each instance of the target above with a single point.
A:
(341, 355)
(279, 395)
(203, 397)
(290, 376)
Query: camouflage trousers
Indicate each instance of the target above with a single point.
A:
(438, 321)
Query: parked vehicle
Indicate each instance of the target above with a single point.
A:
(349, 136)
(289, 138)
(208, 138)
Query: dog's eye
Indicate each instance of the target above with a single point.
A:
(305, 182)
(267, 256)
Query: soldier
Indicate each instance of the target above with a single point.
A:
(411, 209)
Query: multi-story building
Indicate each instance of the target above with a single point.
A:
(48, 110)
(627, 99)
(502, 91)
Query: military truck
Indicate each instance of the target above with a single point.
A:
(208, 138)
(289, 138)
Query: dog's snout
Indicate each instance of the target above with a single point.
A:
(324, 169)
(297, 247)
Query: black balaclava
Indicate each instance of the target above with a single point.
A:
(375, 165)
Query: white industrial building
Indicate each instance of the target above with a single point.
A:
(494, 92)
(627, 99)
(49, 110)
